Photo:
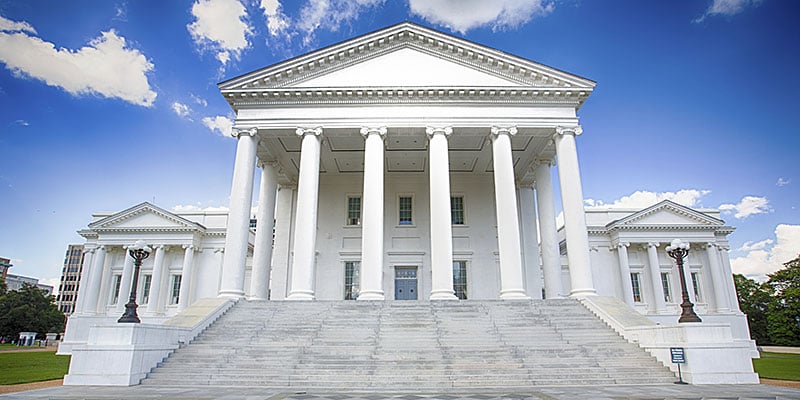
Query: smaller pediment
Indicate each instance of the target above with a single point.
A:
(145, 216)
(666, 213)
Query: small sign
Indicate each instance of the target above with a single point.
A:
(678, 356)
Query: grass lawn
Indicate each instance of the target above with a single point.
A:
(25, 367)
(778, 366)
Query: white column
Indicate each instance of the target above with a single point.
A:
(372, 216)
(95, 281)
(726, 266)
(508, 243)
(580, 269)
(659, 305)
(83, 285)
(187, 272)
(718, 277)
(281, 249)
(551, 257)
(625, 273)
(441, 228)
(125, 283)
(687, 276)
(262, 249)
(238, 232)
(530, 242)
(154, 302)
(305, 232)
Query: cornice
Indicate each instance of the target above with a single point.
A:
(244, 98)
(598, 230)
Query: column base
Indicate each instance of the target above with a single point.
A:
(579, 293)
(301, 296)
(234, 294)
(443, 295)
(254, 298)
(514, 294)
(371, 296)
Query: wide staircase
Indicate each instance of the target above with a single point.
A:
(403, 346)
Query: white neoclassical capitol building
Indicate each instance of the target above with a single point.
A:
(408, 165)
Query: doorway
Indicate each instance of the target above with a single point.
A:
(405, 283)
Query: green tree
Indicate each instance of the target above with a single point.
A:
(29, 310)
(783, 318)
(754, 300)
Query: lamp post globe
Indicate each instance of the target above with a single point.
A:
(679, 250)
(139, 251)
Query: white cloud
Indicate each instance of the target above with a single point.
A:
(277, 21)
(761, 261)
(182, 110)
(22, 122)
(464, 15)
(330, 15)
(750, 246)
(749, 205)
(782, 182)
(727, 8)
(220, 26)
(220, 124)
(199, 100)
(105, 67)
(196, 208)
(642, 199)
(54, 282)
(7, 25)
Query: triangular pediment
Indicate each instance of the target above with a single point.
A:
(145, 216)
(666, 213)
(405, 55)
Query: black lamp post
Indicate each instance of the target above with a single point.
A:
(139, 251)
(679, 250)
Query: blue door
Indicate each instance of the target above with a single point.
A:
(405, 283)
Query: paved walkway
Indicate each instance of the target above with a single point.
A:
(617, 392)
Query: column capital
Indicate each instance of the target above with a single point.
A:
(316, 131)
(543, 161)
(499, 130)
(239, 132)
(379, 130)
(569, 130)
(271, 163)
(710, 245)
(653, 244)
(623, 244)
(723, 248)
(189, 246)
(431, 131)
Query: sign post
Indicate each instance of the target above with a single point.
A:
(678, 357)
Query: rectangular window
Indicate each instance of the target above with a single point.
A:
(665, 286)
(696, 286)
(176, 289)
(636, 287)
(146, 281)
(405, 211)
(116, 284)
(457, 210)
(353, 210)
(351, 279)
(460, 279)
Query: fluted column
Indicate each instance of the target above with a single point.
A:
(262, 249)
(125, 283)
(154, 303)
(83, 285)
(236, 239)
(551, 258)
(372, 216)
(281, 250)
(187, 272)
(508, 238)
(726, 266)
(305, 232)
(580, 269)
(95, 281)
(718, 277)
(530, 242)
(625, 273)
(659, 305)
(687, 277)
(441, 229)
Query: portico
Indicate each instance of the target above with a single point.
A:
(441, 150)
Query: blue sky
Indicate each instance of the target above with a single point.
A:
(108, 104)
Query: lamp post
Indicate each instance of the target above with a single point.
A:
(679, 250)
(139, 251)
